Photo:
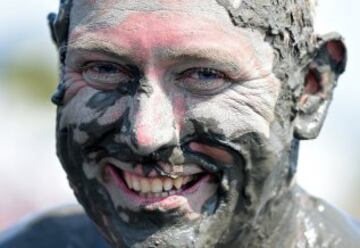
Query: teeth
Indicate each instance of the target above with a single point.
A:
(155, 186)
(128, 180)
(178, 182)
(168, 184)
(145, 185)
(135, 183)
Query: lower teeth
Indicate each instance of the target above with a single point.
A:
(159, 194)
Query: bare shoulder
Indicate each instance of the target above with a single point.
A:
(61, 227)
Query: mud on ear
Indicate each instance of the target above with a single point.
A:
(321, 76)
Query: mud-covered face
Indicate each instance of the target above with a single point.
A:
(167, 131)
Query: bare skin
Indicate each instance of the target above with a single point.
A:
(171, 131)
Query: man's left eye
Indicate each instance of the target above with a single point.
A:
(106, 68)
(104, 75)
(203, 80)
(206, 74)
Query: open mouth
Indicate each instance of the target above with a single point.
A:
(161, 186)
(155, 191)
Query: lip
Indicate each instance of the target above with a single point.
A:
(189, 169)
(186, 199)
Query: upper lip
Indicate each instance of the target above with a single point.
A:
(159, 168)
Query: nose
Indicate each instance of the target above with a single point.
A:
(153, 121)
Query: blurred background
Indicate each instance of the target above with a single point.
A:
(31, 178)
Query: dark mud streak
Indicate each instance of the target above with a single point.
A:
(58, 97)
(102, 100)
(294, 154)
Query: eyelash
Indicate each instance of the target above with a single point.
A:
(203, 80)
(93, 65)
(188, 72)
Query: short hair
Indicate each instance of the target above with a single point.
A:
(287, 25)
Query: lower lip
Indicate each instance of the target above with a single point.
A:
(169, 202)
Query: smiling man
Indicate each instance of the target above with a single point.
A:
(179, 123)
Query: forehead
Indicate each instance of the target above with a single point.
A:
(112, 12)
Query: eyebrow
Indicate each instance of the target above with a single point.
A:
(202, 53)
(98, 46)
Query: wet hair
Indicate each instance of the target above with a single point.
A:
(287, 25)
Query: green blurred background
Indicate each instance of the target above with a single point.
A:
(31, 177)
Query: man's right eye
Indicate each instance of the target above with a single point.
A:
(105, 75)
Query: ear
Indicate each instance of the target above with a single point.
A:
(320, 79)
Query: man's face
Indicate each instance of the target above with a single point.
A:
(168, 131)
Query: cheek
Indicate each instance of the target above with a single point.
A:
(75, 111)
(243, 108)
(74, 83)
(92, 107)
(114, 113)
(213, 152)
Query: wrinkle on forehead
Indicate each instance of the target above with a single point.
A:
(112, 12)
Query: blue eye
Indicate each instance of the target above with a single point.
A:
(208, 74)
(204, 74)
(106, 68)
(105, 75)
(203, 80)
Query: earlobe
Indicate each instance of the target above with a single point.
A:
(320, 78)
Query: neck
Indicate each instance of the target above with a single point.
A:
(274, 226)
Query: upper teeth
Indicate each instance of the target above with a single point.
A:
(155, 184)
